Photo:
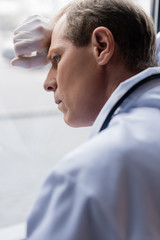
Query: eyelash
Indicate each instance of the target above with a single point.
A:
(55, 60)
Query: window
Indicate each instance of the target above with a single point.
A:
(152, 8)
(33, 135)
(147, 5)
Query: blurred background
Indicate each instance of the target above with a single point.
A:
(33, 136)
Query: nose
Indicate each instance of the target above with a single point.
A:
(50, 83)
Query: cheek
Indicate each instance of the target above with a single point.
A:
(67, 81)
(78, 87)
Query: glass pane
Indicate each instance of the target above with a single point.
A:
(33, 135)
(147, 5)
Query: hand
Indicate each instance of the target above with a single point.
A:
(31, 42)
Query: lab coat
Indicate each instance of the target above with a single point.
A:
(109, 187)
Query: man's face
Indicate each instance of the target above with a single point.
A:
(75, 79)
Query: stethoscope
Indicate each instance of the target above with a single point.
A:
(128, 93)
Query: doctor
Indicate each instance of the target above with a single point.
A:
(104, 73)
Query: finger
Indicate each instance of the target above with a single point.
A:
(25, 25)
(22, 27)
(22, 36)
(31, 22)
(30, 62)
(27, 46)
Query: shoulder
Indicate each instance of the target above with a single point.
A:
(130, 141)
(112, 176)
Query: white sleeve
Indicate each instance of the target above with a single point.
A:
(126, 207)
(60, 213)
(111, 193)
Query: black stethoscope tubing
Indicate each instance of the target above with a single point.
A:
(128, 93)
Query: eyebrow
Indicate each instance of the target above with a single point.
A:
(54, 51)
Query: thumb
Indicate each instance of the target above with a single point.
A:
(20, 62)
(29, 62)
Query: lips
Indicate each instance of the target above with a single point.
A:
(57, 101)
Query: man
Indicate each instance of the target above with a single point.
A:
(103, 74)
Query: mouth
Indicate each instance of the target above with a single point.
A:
(58, 101)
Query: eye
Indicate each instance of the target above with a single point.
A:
(56, 59)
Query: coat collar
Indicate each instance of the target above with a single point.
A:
(117, 94)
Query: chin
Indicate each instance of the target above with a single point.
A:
(77, 123)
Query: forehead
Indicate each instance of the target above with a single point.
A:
(58, 38)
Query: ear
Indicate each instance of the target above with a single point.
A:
(103, 45)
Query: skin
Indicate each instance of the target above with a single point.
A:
(83, 78)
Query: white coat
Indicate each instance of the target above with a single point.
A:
(108, 188)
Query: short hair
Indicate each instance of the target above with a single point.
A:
(132, 29)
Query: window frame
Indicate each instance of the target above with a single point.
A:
(155, 12)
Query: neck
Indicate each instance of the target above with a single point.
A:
(114, 76)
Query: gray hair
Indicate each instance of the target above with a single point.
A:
(132, 29)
